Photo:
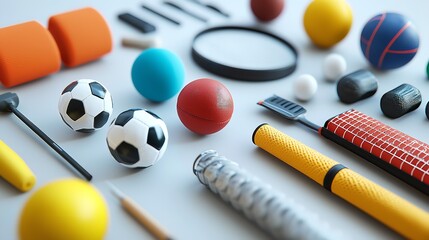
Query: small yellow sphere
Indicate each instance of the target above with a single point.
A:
(65, 209)
(327, 22)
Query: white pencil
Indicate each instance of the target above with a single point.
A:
(140, 215)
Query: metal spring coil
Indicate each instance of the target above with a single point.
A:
(272, 211)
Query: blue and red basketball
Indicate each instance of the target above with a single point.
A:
(389, 40)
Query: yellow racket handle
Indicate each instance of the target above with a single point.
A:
(14, 170)
(383, 205)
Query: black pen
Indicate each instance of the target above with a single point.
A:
(174, 5)
(160, 15)
(212, 7)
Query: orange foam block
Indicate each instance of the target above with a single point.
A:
(27, 52)
(82, 36)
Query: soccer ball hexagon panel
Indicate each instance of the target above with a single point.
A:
(85, 105)
(137, 138)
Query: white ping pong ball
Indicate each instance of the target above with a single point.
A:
(304, 87)
(334, 67)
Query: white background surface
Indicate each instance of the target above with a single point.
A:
(169, 190)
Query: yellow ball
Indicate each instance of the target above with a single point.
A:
(65, 209)
(327, 22)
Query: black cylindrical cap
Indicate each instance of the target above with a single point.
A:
(401, 100)
(427, 107)
(356, 86)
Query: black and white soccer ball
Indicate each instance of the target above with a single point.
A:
(137, 138)
(85, 105)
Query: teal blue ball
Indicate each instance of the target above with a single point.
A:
(158, 74)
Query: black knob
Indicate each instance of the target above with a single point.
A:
(356, 86)
(401, 100)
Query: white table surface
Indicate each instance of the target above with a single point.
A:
(169, 190)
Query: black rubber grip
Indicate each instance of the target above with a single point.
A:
(137, 23)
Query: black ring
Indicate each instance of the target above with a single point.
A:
(241, 73)
(330, 175)
(256, 130)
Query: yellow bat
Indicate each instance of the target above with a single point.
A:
(383, 205)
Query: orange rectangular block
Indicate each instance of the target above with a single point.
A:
(82, 35)
(27, 52)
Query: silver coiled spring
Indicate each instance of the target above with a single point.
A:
(272, 211)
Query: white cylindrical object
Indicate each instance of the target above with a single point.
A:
(142, 42)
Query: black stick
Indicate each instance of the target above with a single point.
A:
(211, 7)
(176, 6)
(10, 101)
(161, 15)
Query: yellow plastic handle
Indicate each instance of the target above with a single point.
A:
(14, 170)
(390, 209)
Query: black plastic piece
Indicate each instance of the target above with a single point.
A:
(356, 86)
(137, 23)
(8, 101)
(427, 110)
(400, 100)
(288, 110)
(241, 73)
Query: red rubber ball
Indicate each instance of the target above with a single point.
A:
(267, 10)
(205, 106)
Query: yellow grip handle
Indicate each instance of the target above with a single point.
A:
(390, 209)
(14, 170)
